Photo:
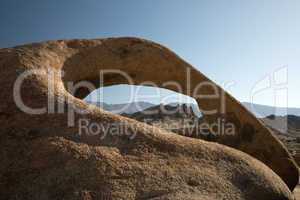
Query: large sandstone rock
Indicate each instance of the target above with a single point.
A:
(43, 157)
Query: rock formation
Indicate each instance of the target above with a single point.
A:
(43, 156)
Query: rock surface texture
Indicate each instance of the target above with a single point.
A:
(44, 157)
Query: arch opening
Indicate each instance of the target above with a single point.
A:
(159, 107)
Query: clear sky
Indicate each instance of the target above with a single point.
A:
(236, 41)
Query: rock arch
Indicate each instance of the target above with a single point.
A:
(144, 61)
(155, 63)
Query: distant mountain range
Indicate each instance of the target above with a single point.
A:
(260, 111)
(162, 112)
(127, 108)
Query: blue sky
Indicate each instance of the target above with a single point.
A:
(242, 42)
